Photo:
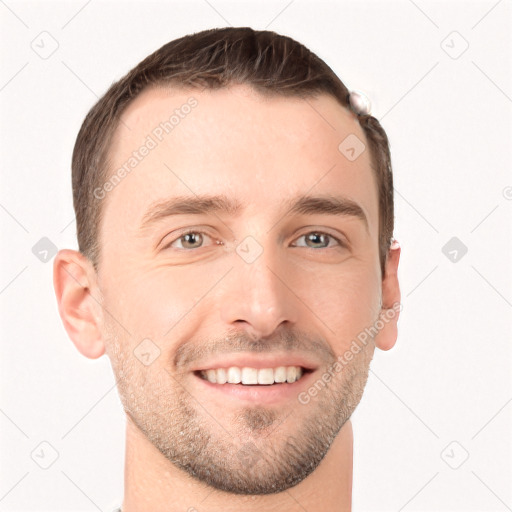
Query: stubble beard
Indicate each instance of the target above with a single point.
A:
(254, 450)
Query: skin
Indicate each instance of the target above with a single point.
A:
(187, 448)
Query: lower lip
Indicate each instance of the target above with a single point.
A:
(260, 394)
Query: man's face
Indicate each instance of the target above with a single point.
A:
(262, 287)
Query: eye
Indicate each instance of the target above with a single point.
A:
(317, 238)
(188, 240)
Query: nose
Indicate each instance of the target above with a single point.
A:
(259, 296)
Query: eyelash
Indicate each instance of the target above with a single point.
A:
(195, 231)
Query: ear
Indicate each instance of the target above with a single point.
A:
(79, 301)
(391, 306)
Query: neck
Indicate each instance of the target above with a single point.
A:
(153, 483)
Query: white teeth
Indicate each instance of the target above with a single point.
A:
(234, 375)
(265, 376)
(280, 374)
(291, 374)
(251, 376)
(221, 376)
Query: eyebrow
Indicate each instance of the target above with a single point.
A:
(208, 204)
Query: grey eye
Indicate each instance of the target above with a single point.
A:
(317, 239)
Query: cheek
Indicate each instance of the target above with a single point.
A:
(156, 302)
(347, 303)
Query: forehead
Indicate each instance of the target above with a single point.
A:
(260, 150)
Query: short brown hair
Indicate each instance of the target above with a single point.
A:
(269, 62)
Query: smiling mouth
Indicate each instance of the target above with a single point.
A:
(247, 376)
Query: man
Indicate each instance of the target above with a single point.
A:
(234, 210)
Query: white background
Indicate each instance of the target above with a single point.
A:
(448, 118)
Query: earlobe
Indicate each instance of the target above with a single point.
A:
(81, 312)
(391, 306)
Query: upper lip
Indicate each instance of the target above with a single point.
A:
(257, 361)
